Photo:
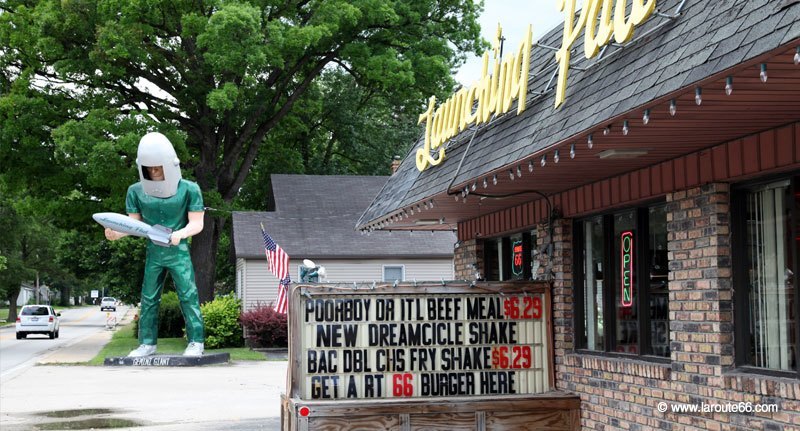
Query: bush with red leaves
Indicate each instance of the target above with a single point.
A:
(265, 327)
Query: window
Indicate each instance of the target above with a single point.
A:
(510, 257)
(239, 287)
(621, 282)
(765, 238)
(392, 273)
(35, 311)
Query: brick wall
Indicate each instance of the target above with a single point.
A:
(624, 393)
(467, 254)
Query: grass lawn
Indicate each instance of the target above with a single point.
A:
(124, 341)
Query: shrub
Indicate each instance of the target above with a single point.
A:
(170, 317)
(221, 317)
(265, 327)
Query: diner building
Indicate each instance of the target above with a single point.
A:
(647, 165)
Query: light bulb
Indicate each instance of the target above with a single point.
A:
(466, 191)
(590, 141)
(698, 96)
(572, 151)
(544, 160)
(530, 165)
(797, 56)
(625, 127)
(519, 171)
(763, 74)
(673, 107)
(511, 174)
(474, 186)
(494, 179)
(607, 131)
(485, 183)
(556, 157)
(431, 204)
(454, 197)
(646, 116)
(729, 85)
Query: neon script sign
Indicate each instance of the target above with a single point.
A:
(597, 30)
(626, 267)
(493, 93)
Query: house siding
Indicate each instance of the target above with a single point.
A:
(241, 276)
(261, 286)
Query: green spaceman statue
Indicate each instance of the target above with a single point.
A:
(162, 197)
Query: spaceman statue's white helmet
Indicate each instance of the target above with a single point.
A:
(156, 150)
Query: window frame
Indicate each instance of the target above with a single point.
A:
(610, 284)
(395, 265)
(739, 279)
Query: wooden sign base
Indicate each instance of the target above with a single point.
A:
(551, 411)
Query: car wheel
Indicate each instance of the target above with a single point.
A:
(52, 335)
(19, 336)
(57, 333)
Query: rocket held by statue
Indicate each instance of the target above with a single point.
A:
(122, 223)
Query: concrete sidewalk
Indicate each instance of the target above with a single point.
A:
(238, 396)
(241, 396)
(87, 348)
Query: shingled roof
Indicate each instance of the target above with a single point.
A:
(706, 38)
(315, 216)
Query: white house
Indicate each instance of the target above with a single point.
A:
(314, 218)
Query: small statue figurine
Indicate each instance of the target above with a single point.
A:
(162, 197)
(310, 272)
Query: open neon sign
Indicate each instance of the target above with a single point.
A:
(626, 267)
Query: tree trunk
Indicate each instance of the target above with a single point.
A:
(12, 305)
(204, 257)
(63, 299)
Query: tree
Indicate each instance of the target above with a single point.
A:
(25, 246)
(217, 77)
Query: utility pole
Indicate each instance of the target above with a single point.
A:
(37, 288)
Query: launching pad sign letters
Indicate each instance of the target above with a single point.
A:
(430, 345)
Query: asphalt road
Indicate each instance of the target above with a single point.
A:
(76, 325)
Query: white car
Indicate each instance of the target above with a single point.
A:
(108, 303)
(38, 319)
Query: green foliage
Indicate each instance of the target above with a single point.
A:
(238, 87)
(170, 317)
(27, 242)
(221, 317)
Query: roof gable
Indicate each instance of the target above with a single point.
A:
(315, 217)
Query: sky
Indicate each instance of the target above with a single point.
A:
(514, 17)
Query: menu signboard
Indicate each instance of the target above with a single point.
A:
(373, 345)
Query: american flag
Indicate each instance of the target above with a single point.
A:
(279, 265)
